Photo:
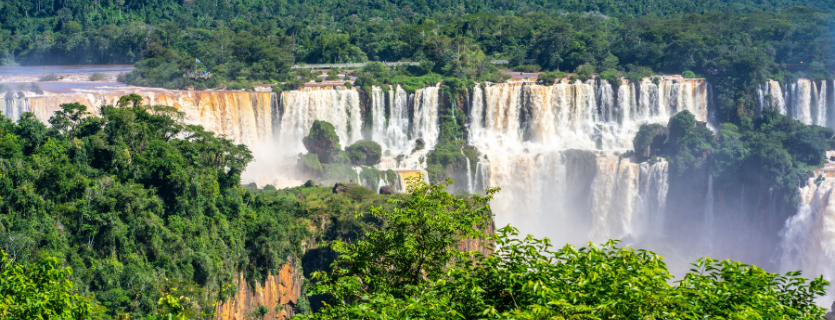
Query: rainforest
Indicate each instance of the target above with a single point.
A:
(388, 159)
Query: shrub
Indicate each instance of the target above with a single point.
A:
(611, 75)
(49, 77)
(34, 87)
(359, 193)
(638, 73)
(529, 68)
(97, 76)
(549, 78)
(585, 71)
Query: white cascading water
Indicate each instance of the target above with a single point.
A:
(426, 115)
(804, 100)
(808, 237)
(524, 141)
(340, 107)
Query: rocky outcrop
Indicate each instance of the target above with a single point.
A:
(279, 294)
(483, 246)
(386, 190)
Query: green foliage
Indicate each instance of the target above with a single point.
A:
(585, 71)
(97, 76)
(647, 136)
(413, 249)
(610, 75)
(137, 203)
(49, 77)
(364, 152)
(688, 74)
(41, 291)
(322, 140)
(409, 269)
(549, 78)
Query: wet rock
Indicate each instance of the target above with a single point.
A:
(419, 144)
(386, 190)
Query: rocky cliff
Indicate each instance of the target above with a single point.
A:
(278, 293)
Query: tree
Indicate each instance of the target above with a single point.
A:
(412, 249)
(406, 269)
(41, 291)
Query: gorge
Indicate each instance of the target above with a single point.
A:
(562, 154)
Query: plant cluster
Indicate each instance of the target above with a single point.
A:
(409, 268)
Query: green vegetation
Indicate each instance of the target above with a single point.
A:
(774, 151)
(549, 78)
(41, 291)
(411, 269)
(322, 141)
(364, 152)
(142, 207)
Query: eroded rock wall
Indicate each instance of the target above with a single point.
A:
(282, 290)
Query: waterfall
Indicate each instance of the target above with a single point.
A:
(426, 116)
(470, 187)
(379, 132)
(476, 114)
(709, 214)
(809, 236)
(397, 132)
(339, 107)
(556, 153)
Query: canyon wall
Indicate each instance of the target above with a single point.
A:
(278, 293)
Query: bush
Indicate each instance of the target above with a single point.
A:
(364, 152)
(638, 73)
(97, 76)
(549, 78)
(359, 193)
(611, 75)
(688, 74)
(34, 87)
(585, 71)
(49, 77)
(529, 68)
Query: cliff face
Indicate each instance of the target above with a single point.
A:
(281, 290)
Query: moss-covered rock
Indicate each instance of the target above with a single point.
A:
(310, 164)
(322, 140)
(649, 140)
(364, 153)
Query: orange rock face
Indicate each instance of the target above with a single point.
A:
(282, 290)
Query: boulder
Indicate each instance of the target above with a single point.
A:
(386, 190)
(419, 144)
(251, 186)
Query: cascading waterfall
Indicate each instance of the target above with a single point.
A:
(804, 100)
(528, 140)
(709, 213)
(809, 236)
(340, 107)
(378, 114)
(426, 115)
